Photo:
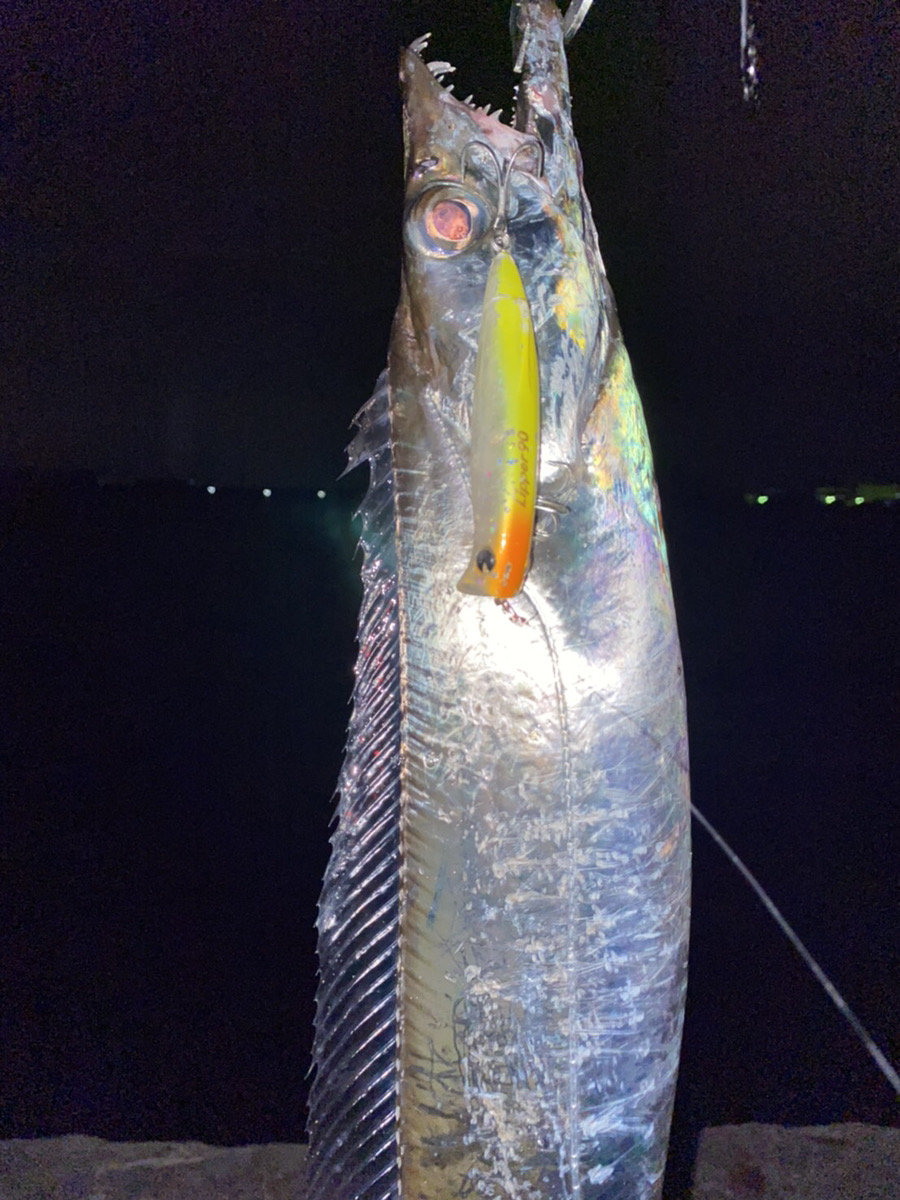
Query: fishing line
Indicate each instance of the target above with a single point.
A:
(882, 1062)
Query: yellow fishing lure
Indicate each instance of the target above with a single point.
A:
(505, 433)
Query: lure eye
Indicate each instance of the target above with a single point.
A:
(484, 559)
(446, 219)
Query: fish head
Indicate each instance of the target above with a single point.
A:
(472, 180)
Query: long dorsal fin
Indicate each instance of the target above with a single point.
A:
(355, 1034)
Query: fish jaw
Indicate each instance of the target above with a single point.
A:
(437, 125)
(544, 105)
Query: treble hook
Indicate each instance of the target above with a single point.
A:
(504, 170)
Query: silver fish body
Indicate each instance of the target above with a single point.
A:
(503, 926)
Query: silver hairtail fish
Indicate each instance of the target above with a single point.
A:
(503, 927)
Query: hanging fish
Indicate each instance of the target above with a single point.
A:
(503, 926)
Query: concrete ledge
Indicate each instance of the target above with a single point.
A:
(65, 1167)
(734, 1162)
(821, 1162)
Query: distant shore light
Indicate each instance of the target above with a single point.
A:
(267, 492)
(762, 499)
(211, 490)
(830, 498)
(859, 500)
(320, 494)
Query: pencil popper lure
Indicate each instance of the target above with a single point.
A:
(506, 412)
(503, 926)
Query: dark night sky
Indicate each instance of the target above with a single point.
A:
(198, 269)
(201, 228)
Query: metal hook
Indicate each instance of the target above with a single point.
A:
(500, 235)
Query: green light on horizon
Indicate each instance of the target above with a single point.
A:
(859, 499)
(762, 499)
(830, 498)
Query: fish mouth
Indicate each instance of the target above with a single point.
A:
(489, 122)
(435, 118)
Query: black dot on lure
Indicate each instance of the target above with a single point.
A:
(484, 560)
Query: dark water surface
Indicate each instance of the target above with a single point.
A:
(175, 669)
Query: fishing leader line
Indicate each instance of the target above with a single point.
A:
(884, 1065)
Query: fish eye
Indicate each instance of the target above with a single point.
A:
(446, 219)
(449, 220)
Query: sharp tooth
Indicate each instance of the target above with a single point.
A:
(441, 68)
(420, 43)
